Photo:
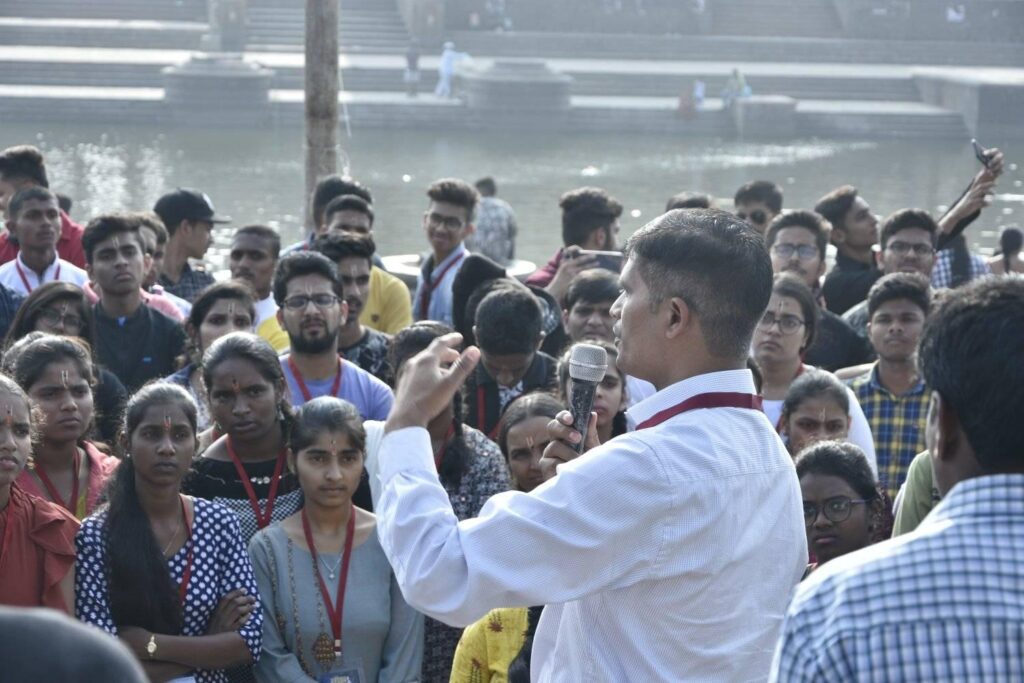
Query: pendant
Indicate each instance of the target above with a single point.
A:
(323, 649)
(330, 575)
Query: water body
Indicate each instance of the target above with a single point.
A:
(257, 176)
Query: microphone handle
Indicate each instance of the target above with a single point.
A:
(581, 402)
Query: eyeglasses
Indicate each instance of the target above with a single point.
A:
(902, 249)
(300, 301)
(756, 216)
(805, 251)
(788, 324)
(52, 318)
(450, 223)
(836, 509)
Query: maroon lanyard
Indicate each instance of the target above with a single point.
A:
(24, 280)
(337, 608)
(431, 285)
(717, 399)
(302, 383)
(186, 576)
(262, 517)
(72, 504)
(439, 453)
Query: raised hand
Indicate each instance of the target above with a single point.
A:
(429, 380)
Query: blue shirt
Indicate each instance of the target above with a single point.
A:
(435, 283)
(943, 603)
(371, 397)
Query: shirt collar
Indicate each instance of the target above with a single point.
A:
(993, 495)
(876, 384)
(50, 269)
(458, 252)
(740, 381)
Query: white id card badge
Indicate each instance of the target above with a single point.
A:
(344, 670)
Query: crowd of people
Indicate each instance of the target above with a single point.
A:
(308, 471)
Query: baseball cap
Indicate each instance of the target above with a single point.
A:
(184, 204)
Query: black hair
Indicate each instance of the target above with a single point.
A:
(519, 668)
(972, 356)
(619, 424)
(1011, 240)
(808, 220)
(326, 414)
(64, 202)
(592, 286)
(28, 194)
(761, 191)
(141, 590)
(960, 261)
(499, 284)
(23, 162)
(905, 219)
(508, 321)
(839, 459)
(107, 225)
(263, 232)
(337, 246)
(232, 290)
(150, 220)
(789, 285)
(406, 344)
(690, 200)
(335, 186)
(835, 205)
(486, 186)
(259, 352)
(301, 263)
(912, 287)
(43, 297)
(457, 192)
(815, 383)
(348, 202)
(714, 262)
(522, 408)
(585, 210)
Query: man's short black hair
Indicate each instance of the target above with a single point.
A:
(585, 210)
(486, 186)
(912, 287)
(455, 191)
(508, 321)
(971, 355)
(34, 192)
(337, 246)
(690, 200)
(105, 226)
(301, 263)
(263, 232)
(335, 186)
(836, 204)
(151, 221)
(593, 286)
(23, 162)
(905, 219)
(808, 220)
(64, 202)
(714, 262)
(762, 191)
(348, 202)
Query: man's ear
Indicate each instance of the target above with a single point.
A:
(540, 341)
(280, 317)
(878, 258)
(680, 317)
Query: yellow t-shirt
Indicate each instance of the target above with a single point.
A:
(271, 330)
(489, 646)
(389, 306)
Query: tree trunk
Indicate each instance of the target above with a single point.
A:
(321, 95)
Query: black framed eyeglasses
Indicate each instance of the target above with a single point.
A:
(54, 318)
(804, 251)
(788, 324)
(836, 509)
(904, 248)
(756, 216)
(300, 301)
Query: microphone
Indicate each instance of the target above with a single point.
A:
(587, 365)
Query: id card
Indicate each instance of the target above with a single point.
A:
(345, 670)
(183, 679)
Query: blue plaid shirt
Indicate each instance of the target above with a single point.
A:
(942, 271)
(943, 603)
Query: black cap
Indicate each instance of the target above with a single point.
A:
(186, 205)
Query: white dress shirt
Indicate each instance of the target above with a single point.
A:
(13, 272)
(666, 554)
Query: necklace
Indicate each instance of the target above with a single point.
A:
(331, 572)
(173, 536)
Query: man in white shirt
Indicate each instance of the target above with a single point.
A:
(666, 554)
(34, 217)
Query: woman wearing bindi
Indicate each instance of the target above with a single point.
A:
(37, 550)
(67, 468)
(332, 607)
(166, 573)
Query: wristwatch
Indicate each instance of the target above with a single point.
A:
(151, 646)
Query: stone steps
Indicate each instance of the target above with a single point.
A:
(106, 34)
(363, 27)
(807, 18)
(172, 10)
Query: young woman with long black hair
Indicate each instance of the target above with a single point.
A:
(166, 573)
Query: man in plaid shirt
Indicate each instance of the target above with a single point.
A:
(946, 601)
(892, 394)
(189, 217)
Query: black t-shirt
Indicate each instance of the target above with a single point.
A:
(837, 345)
(139, 347)
(371, 354)
(848, 284)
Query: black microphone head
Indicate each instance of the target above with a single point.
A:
(587, 363)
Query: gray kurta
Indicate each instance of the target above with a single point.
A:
(378, 626)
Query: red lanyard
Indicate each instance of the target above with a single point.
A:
(24, 280)
(72, 504)
(430, 285)
(337, 608)
(186, 576)
(306, 396)
(481, 414)
(717, 399)
(262, 517)
(439, 453)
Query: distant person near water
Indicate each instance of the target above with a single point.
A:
(446, 69)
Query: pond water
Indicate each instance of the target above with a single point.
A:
(257, 176)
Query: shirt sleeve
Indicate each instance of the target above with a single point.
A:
(917, 500)
(397, 313)
(402, 659)
(92, 594)
(583, 537)
(236, 572)
(860, 431)
(382, 399)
